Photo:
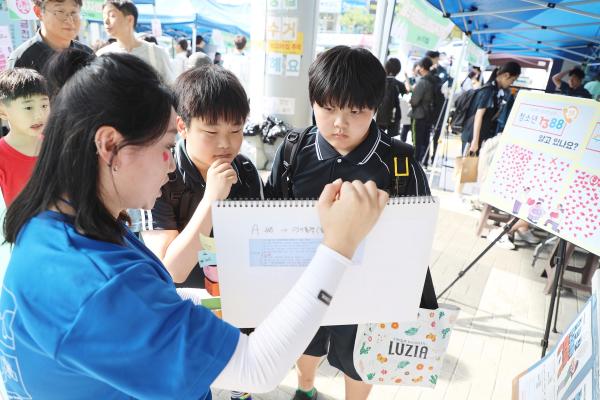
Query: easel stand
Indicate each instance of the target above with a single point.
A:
(559, 265)
(506, 229)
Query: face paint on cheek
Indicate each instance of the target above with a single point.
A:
(165, 156)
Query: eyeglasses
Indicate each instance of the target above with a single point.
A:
(63, 16)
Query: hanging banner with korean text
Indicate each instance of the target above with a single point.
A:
(419, 24)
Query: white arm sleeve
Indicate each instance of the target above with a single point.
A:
(262, 359)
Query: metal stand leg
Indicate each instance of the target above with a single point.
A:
(506, 229)
(540, 247)
(559, 266)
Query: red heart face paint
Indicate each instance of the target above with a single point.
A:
(165, 156)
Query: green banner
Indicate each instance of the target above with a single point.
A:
(92, 10)
(475, 55)
(419, 24)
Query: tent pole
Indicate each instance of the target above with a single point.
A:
(537, 27)
(518, 21)
(444, 132)
(504, 11)
(547, 53)
(563, 8)
(382, 37)
(552, 47)
(194, 33)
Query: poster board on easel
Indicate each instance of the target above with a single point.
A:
(547, 167)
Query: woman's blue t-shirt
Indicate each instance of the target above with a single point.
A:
(82, 318)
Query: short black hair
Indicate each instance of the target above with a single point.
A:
(346, 76)
(117, 90)
(432, 54)
(240, 42)
(42, 3)
(126, 7)
(62, 65)
(425, 63)
(578, 72)
(183, 43)
(150, 39)
(211, 93)
(21, 82)
(200, 39)
(393, 66)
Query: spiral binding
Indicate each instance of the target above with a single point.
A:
(283, 203)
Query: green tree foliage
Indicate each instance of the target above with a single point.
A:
(357, 20)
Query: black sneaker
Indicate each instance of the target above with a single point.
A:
(300, 395)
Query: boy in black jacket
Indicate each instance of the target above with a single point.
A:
(212, 109)
(346, 86)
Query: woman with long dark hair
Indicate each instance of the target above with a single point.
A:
(485, 107)
(87, 310)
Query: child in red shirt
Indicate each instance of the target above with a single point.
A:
(24, 103)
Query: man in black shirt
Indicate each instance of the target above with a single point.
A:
(59, 26)
(575, 86)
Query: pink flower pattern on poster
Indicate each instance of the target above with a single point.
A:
(510, 171)
(546, 177)
(582, 205)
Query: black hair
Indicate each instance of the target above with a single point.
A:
(183, 43)
(346, 76)
(62, 65)
(21, 82)
(425, 63)
(432, 54)
(511, 67)
(578, 72)
(126, 7)
(211, 93)
(116, 90)
(42, 3)
(477, 68)
(240, 42)
(150, 39)
(393, 66)
(199, 39)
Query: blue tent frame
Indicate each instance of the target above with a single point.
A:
(563, 29)
(208, 15)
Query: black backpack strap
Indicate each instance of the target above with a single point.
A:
(402, 155)
(251, 177)
(291, 145)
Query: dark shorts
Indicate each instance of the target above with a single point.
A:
(337, 342)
